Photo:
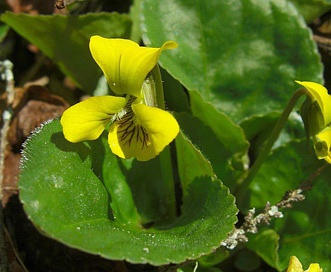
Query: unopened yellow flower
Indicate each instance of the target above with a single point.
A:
(138, 127)
(296, 266)
(316, 110)
(316, 115)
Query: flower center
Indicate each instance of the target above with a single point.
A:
(129, 130)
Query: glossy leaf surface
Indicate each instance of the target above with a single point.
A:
(242, 56)
(98, 203)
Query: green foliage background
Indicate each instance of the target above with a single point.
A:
(227, 82)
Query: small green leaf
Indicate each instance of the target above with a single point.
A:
(76, 194)
(3, 31)
(265, 244)
(242, 56)
(65, 39)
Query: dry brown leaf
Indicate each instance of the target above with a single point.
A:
(32, 6)
(32, 106)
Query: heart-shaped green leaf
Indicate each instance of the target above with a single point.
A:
(242, 56)
(65, 39)
(87, 198)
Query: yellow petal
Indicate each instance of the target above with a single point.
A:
(319, 93)
(294, 265)
(124, 63)
(314, 267)
(87, 119)
(143, 133)
(322, 144)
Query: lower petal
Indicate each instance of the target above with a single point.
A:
(314, 267)
(134, 144)
(161, 126)
(322, 144)
(87, 119)
(143, 134)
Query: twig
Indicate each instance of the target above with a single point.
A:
(323, 42)
(238, 235)
(20, 262)
(6, 75)
(61, 4)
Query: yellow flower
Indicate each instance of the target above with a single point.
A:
(124, 63)
(316, 110)
(316, 115)
(138, 127)
(295, 266)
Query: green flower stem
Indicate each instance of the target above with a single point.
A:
(242, 189)
(157, 88)
(168, 184)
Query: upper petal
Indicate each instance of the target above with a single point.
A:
(87, 119)
(294, 265)
(124, 63)
(319, 93)
(144, 135)
(314, 267)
